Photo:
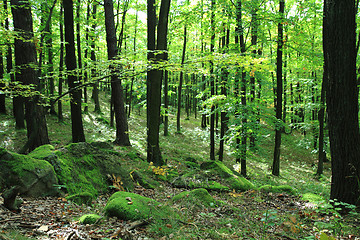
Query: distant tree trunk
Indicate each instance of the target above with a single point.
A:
(70, 61)
(86, 56)
(178, 116)
(122, 135)
(95, 92)
(154, 77)
(133, 78)
(2, 85)
(279, 91)
(61, 64)
(342, 99)
(224, 77)
(25, 56)
(18, 101)
(166, 103)
(212, 82)
(321, 116)
(78, 44)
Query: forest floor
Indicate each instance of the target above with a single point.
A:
(247, 215)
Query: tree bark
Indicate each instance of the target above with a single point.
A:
(70, 61)
(95, 92)
(155, 77)
(122, 132)
(25, 59)
(342, 99)
(61, 64)
(279, 91)
(181, 80)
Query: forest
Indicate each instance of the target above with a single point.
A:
(202, 119)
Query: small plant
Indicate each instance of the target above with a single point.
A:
(117, 182)
(269, 219)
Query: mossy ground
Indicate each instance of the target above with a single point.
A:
(241, 215)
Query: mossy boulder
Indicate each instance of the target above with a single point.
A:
(143, 180)
(34, 177)
(227, 176)
(197, 179)
(311, 197)
(85, 167)
(278, 189)
(131, 206)
(89, 218)
(198, 197)
(81, 198)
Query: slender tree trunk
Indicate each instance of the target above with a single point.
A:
(133, 78)
(321, 115)
(178, 116)
(122, 135)
(2, 85)
(212, 83)
(342, 99)
(95, 92)
(61, 64)
(70, 61)
(279, 91)
(166, 103)
(18, 101)
(86, 56)
(25, 56)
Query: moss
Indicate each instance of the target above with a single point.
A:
(199, 197)
(311, 197)
(81, 198)
(2, 151)
(89, 218)
(143, 180)
(193, 165)
(239, 183)
(215, 186)
(278, 189)
(42, 152)
(131, 206)
(218, 167)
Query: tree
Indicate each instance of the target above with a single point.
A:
(154, 76)
(26, 60)
(212, 82)
(122, 132)
(70, 62)
(342, 99)
(279, 92)
(2, 85)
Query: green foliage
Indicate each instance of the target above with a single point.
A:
(89, 218)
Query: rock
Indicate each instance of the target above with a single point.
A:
(89, 218)
(143, 180)
(198, 197)
(34, 177)
(10, 199)
(197, 179)
(278, 189)
(84, 167)
(138, 208)
(81, 198)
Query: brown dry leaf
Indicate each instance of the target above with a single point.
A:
(292, 219)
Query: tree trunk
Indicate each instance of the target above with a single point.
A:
(61, 64)
(2, 85)
(122, 136)
(342, 99)
(212, 82)
(86, 56)
(178, 116)
(25, 56)
(154, 77)
(279, 91)
(70, 61)
(321, 115)
(95, 92)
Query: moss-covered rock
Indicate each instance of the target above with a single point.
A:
(311, 197)
(131, 206)
(278, 189)
(198, 197)
(192, 165)
(89, 218)
(218, 167)
(81, 198)
(143, 180)
(85, 167)
(34, 177)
